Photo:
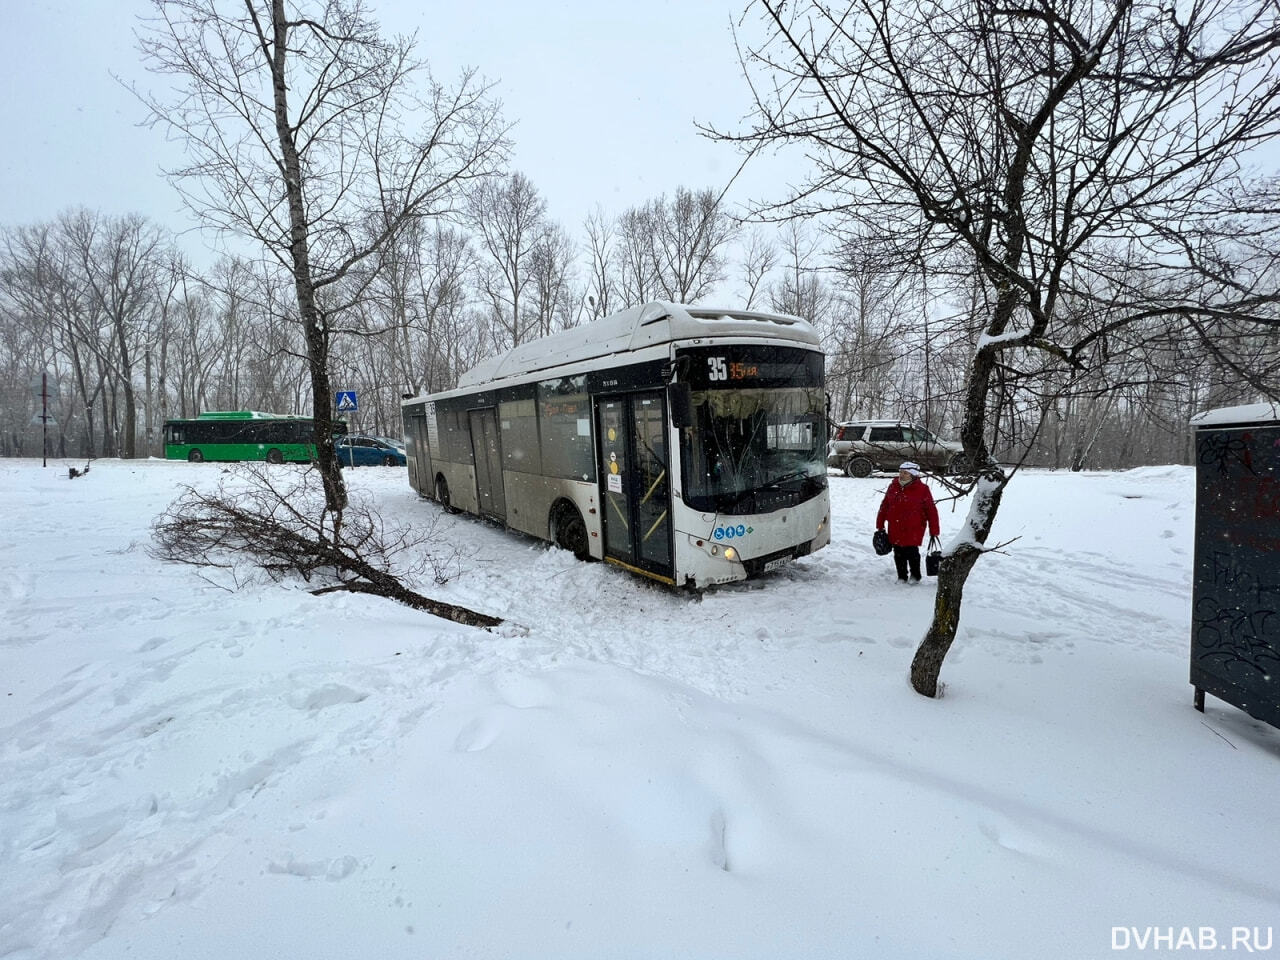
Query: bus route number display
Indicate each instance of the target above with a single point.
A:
(721, 370)
(748, 366)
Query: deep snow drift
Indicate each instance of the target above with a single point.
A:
(191, 772)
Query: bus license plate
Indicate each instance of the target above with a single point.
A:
(775, 564)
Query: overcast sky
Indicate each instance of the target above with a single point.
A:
(604, 97)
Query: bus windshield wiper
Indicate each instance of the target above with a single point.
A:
(794, 474)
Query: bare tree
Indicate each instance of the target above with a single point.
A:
(871, 334)
(509, 217)
(691, 234)
(33, 292)
(1080, 160)
(637, 266)
(443, 268)
(602, 282)
(758, 260)
(90, 287)
(295, 117)
(196, 350)
(173, 276)
(674, 249)
(555, 295)
(120, 261)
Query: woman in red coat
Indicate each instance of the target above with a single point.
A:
(908, 508)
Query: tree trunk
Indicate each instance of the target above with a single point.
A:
(385, 585)
(989, 488)
(129, 428)
(927, 663)
(314, 330)
(954, 572)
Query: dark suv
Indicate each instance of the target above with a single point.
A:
(860, 447)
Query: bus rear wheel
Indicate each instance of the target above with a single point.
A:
(195, 456)
(570, 532)
(275, 456)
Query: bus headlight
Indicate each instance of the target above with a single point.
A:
(730, 553)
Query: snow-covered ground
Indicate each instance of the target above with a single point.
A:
(188, 772)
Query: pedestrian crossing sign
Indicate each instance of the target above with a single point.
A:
(347, 401)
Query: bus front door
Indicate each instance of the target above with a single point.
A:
(485, 445)
(635, 484)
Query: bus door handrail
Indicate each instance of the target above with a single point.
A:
(653, 487)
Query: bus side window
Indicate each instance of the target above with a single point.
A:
(455, 435)
(564, 419)
(519, 422)
(201, 431)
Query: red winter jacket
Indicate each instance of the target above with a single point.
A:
(908, 509)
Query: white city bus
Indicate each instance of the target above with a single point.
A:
(683, 443)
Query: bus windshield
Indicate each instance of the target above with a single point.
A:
(756, 449)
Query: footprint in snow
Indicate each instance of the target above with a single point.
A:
(331, 694)
(336, 869)
(522, 691)
(1013, 839)
(477, 735)
(719, 847)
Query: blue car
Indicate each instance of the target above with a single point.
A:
(358, 451)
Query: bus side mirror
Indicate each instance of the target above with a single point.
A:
(680, 403)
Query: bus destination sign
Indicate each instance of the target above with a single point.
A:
(749, 365)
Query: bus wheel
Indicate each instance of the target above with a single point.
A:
(195, 456)
(570, 532)
(442, 494)
(275, 456)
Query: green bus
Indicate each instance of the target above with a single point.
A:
(243, 435)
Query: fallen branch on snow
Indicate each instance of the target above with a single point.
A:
(277, 521)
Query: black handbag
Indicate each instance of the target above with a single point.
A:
(880, 542)
(932, 559)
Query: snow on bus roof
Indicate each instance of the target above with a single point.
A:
(633, 329)
(1248, 413)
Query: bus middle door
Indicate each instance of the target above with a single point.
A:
(635, 485)
(487, 450)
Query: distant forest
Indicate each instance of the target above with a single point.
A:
(129, 333)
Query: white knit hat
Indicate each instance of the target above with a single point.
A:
(911, 468)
